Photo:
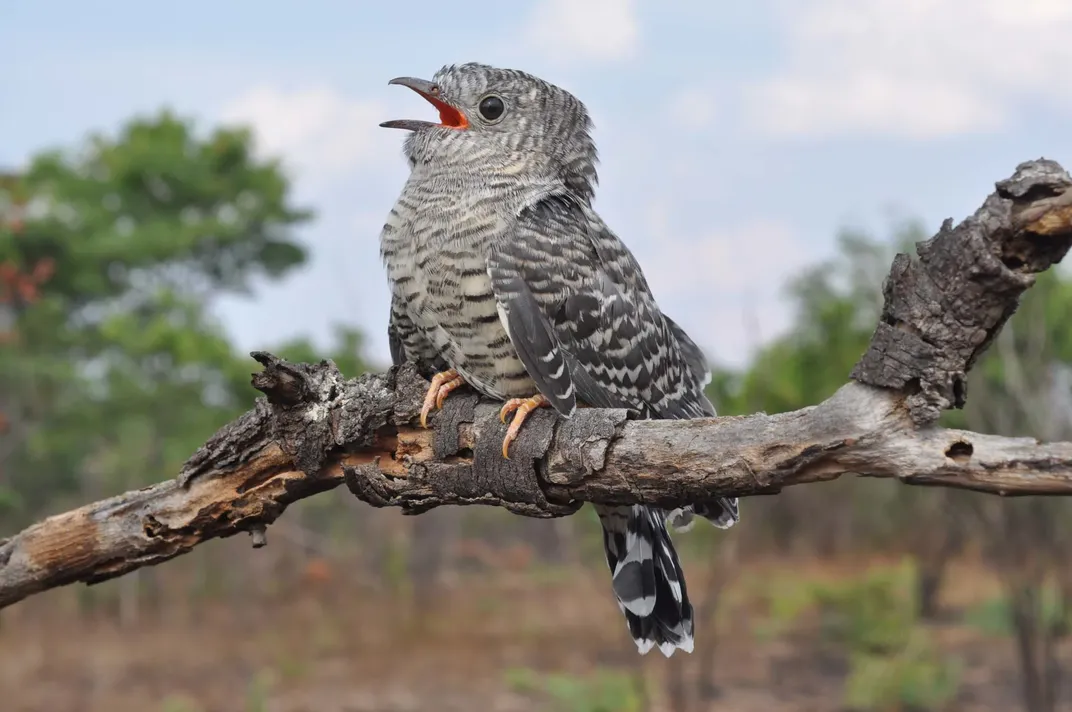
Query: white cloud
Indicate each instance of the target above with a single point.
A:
(747, 256)
(567, 31)
(914, 68)
(692, 108)
(318, 131)
(725, 287)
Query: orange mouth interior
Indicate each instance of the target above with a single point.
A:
(448, 115)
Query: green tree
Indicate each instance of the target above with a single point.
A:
(1022, 387)
(836, 306)
(1019, 387)
(117, 372)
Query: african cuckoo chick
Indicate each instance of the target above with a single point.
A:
(503, 278)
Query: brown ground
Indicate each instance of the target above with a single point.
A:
(341, 648)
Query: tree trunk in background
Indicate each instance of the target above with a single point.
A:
(1016, 543)
(1027, 527)
(781, 515)
(549, 538)
(1035, 644)
(387, 533)
(129, 603)
(931, 572)
(723, 562)
(431, 552)
(935, 536)
(676, 689)
(567, 538)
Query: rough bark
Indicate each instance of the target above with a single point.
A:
(942, 311)
(314, 429)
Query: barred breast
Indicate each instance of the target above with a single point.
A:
(435, 244)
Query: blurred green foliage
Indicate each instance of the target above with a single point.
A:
(893, 662)
(872, 614)
(781, 602)
(113, 370)
(915, 678)
(602, 691)
(872, 622)
(836, 303)
(179, 703)
(259, 691)
(994, 616)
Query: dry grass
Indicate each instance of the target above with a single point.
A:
(336, 647)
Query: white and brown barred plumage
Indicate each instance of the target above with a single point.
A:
(504, 277)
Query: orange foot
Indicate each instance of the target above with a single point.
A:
(523, 406)
(442, 384)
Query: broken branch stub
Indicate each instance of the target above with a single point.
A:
(943, 309)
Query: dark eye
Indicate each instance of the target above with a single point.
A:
(491, 107)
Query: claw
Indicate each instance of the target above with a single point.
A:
(451, 385)
(442, 384)
(522, 406)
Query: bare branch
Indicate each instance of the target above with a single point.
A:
(314, 429)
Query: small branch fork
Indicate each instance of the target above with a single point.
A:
(314, 430)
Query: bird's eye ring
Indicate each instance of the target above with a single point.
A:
(491, 108)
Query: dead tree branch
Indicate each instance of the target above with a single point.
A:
(314, 429)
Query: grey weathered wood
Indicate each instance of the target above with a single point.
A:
(944, 309)
(314, 429)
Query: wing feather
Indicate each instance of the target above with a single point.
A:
(597, 318)
(533, 338)
(695, 358)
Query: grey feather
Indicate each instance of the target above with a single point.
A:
(694, 357)
(531, 334)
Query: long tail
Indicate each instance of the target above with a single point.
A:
(647, 578)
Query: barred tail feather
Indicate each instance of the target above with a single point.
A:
(647, 578)
(723, 512)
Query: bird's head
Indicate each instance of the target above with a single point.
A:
(501, 120)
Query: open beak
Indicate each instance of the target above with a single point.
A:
(449, 116)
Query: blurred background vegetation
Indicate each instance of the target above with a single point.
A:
(851, 595)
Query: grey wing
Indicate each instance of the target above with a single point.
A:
(695, 358)
(531, 334)
(599, 326)
(408, 344)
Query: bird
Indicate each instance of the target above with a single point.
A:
(505, 279)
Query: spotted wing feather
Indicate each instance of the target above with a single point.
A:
(597, 310)
(533, 337)
(694, 357)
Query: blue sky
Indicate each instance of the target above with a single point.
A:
(736, 138)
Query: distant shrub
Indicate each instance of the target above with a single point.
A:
(259, 691)
(785, 601)
(605, 691)
(916, 678)
(179, 703)
(994, 616)
(872, 614)
(872, 622)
